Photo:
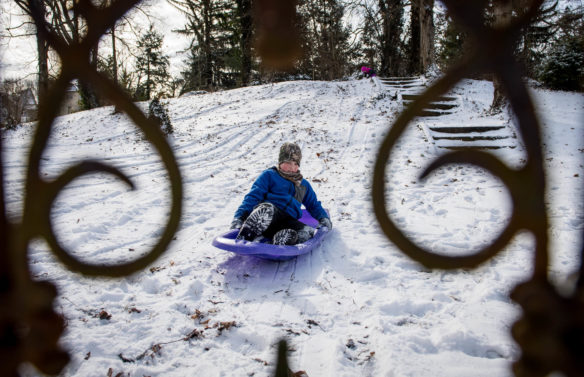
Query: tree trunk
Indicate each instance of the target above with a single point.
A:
(114, 57)
(502, 12)
(391, 13)
(415, 24)
(43, 55)
(245, 17)
(89, 96)
(207, 48)
(148, 80)
(426, 34)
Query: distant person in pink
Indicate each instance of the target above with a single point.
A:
(367, 72)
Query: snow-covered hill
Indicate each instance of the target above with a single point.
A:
(355, 306)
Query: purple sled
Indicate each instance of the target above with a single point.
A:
(264, 249)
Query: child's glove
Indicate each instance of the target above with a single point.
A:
(236, 223)
(325, 222)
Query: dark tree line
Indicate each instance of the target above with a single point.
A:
(222, 53)
(395, 37)
(550, 48)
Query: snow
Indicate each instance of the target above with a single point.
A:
(354, 306)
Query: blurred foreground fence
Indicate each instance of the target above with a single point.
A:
(551, 330)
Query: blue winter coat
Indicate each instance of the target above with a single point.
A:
(272, 187)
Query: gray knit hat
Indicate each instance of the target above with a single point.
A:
(290, 152)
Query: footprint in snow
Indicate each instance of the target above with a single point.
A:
(410, 308)
(576, 223)
(201, 219)
(124, 219)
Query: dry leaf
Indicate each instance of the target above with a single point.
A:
(193, 334)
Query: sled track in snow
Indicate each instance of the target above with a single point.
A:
(357, 136)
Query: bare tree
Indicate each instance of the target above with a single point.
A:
(414, 65)
(14, 95)
(62, 19)
(118, 35)
(39, 7)
(503, 11)
(426, 34)
(324, 39)
(391, 12)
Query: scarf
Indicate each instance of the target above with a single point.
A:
(295, 178)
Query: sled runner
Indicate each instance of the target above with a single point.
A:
(264, 249)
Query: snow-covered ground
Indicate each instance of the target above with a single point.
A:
(355, 306)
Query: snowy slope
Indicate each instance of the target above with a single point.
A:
(355, 306)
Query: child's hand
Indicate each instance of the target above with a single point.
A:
(236, 223)
(325, 222)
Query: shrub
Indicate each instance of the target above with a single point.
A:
(159, 113)
(563, 69)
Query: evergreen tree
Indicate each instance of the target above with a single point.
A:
(452, 43)
(369, 47)
(246, 32)
(158, 112)
(562, 66)
(331, 56)
(307, 30)
(215, 56)
(537, 34)
(151, 65)
(562, 69)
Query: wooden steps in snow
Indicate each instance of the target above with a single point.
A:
(447, 132)
(402, 82)
(441, 106)
(475, 135)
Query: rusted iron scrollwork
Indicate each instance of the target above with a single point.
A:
(551, 331)
(29, 328)
(278, 40)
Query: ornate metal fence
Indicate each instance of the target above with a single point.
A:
(29, 328)
(551, 331)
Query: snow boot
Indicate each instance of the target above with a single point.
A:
(285, 237)
(257, 222)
